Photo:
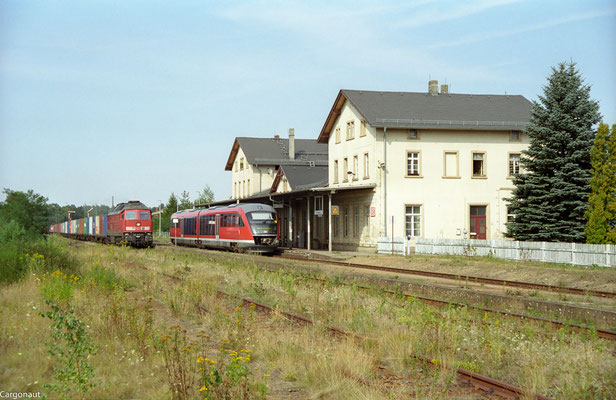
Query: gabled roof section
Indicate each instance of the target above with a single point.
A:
(301, 177)
(424, 110)
(275, 151)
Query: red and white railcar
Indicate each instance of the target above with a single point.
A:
(238, 227)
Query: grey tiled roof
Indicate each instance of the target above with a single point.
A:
(276, 151)
(301, 177)
(454, 110)
(427, 111)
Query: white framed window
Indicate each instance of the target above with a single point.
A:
(362, 128)
(335, 171)
(366, 166)
(345, 170)
(338, 135)
(242, 164)
(412, 163)
(355, 167)
(413, 220)
(479, 164)
(318, 205)
(514, 163)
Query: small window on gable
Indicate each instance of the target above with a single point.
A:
(338, 135)
(350, 133)
(413, 134)
(242, 164)
(362, 128)
(514, 136)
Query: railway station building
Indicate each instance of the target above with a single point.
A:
(405, 164)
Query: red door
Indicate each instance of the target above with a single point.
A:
(478, 222)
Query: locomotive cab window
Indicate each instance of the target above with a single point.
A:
(131, 214)
(144, 215)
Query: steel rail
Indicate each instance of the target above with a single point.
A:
(465, 278)
(601, 332)
(478, 380)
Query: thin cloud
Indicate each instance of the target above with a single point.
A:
(544, 25)
(450, 12)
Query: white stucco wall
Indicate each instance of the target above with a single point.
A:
(445, 201)
(259, 176)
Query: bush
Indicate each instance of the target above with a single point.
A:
(26, 253)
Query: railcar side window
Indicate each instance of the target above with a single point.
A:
(131, 214)
(231, 221)
(189, 226)
(207, 225)
(144, 215)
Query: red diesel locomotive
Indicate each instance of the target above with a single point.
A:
(238, 227)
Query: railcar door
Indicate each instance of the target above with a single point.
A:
(217, 226)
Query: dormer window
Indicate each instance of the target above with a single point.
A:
(413, 134)
(514, 136)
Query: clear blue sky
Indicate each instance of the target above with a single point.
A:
(138, 99)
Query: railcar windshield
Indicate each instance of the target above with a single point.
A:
(144, 215)
(262, 222)
(131, 215)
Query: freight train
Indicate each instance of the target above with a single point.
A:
(129, 223)
(238, 227)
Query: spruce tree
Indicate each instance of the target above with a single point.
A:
(601, 214)
(551, 194)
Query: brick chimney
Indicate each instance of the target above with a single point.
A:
(433, 87)
(292, 143)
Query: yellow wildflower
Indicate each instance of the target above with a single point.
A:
(203, 388)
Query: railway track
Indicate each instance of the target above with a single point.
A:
(487, 387)
(601, 332)
(458, 278)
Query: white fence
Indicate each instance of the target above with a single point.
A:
(401, 245)
(565, 253)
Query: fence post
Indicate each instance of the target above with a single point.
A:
(543, 246)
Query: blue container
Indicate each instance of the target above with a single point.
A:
(104, 230)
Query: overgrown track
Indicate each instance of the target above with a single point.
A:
(602, 333)
(465, 278)
(485, 384)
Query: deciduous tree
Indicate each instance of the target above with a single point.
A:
(601, 214)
